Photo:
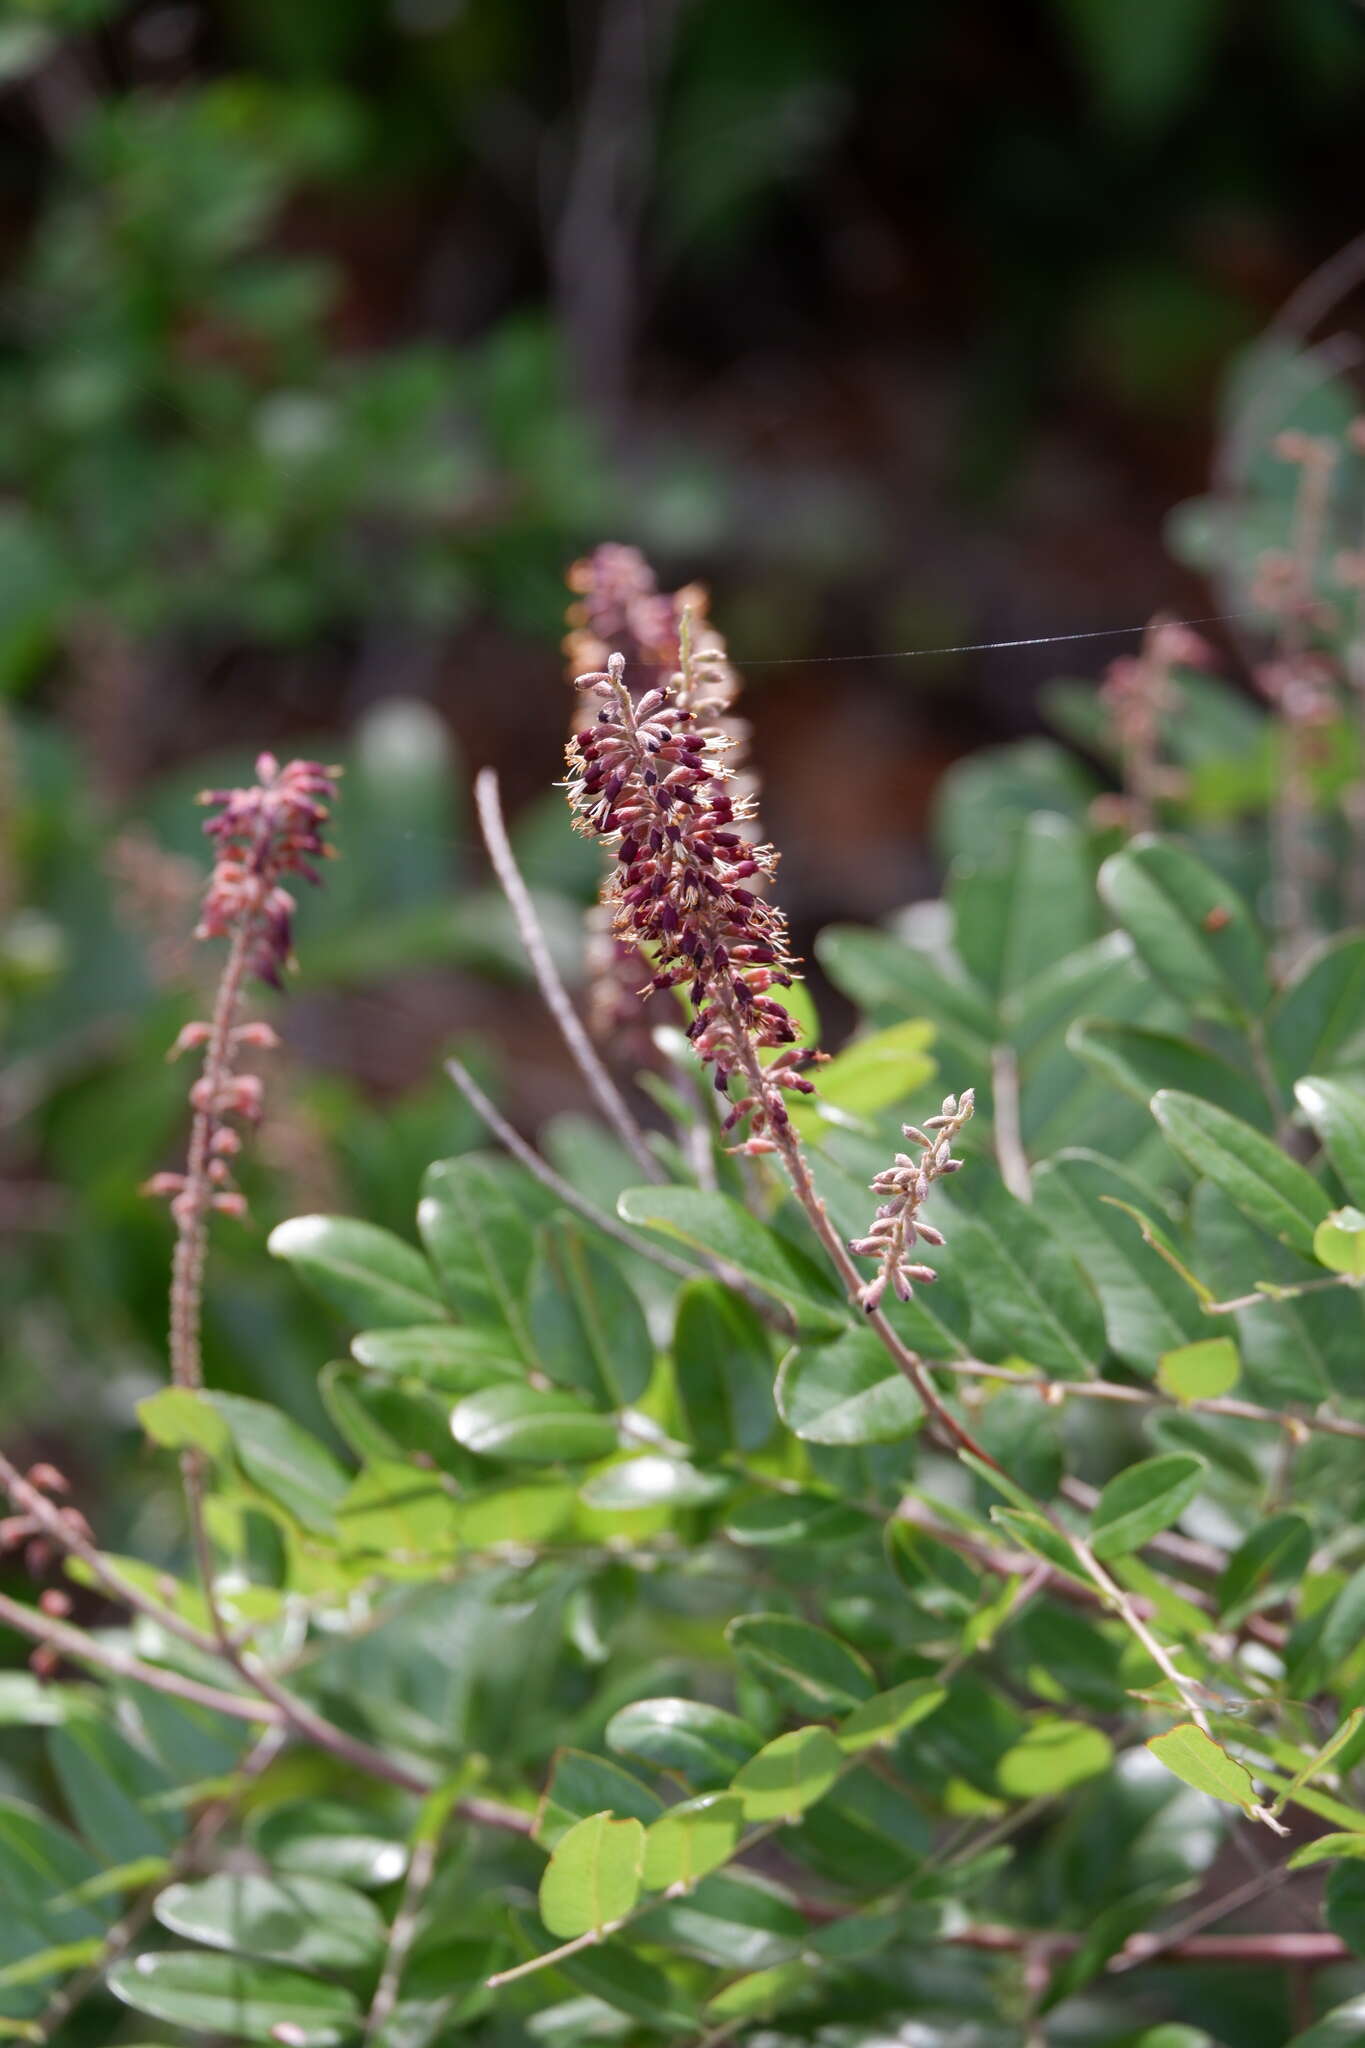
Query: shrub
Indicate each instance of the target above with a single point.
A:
(793, 1573)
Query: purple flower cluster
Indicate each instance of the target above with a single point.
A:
(618, 604)
(651, 781)
(271, 829)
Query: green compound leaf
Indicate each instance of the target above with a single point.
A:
(222, 1994)
(1199, 1372)
(1269, 1188)
(1142, 1062)
(1189, 925)
(1188, 1753)
(586, 1323)
(445, 1356)
(1266, 1567)
(813, 1672)
(1336, 1110)
(704, 1743)
(370, 1277)
(1143, 1500)
(691, 1839)
(789, 1774)
(594, 1876)
(310, 1921)
(1052, 1757)
(1029, 1295)
(848, 1392)
(477, 1217)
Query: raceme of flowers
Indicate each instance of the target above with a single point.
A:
(269, 830)
(653, 783)
(902, 1188)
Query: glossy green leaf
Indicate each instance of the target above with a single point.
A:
(113, 1791)
(1267, 1186)
(1141, 1501)
(1053, 1756)
(781, 1520)
(1315, 1023)
(322, 1838)
(692, 1838)
(615, 1976)
(704, 1744)
(586, 1324)
(444, 1355)
(812, 1671)
(723, 1370)
(1189, 925)
(653, 1481)
(247, 2001)
(581, 1784)
(1336, 1111)
(1200, 1371)
(1188, 1753)
(310, 1921)
(724, 1229)
(761, 1993)
(525, 1425)
(734, 1920)
(847, 1392)
(594, 1876)
(370, 1277)
(43, 1873)
(788, 1774)
(1341, 1738)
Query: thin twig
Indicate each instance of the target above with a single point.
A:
(421, 1866)
(604, 1090)
(68, 1536)
(566, 1192)
(1009, 1144)
(1113, 1390)
(85, 1649)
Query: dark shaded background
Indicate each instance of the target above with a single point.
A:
(330, 331)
